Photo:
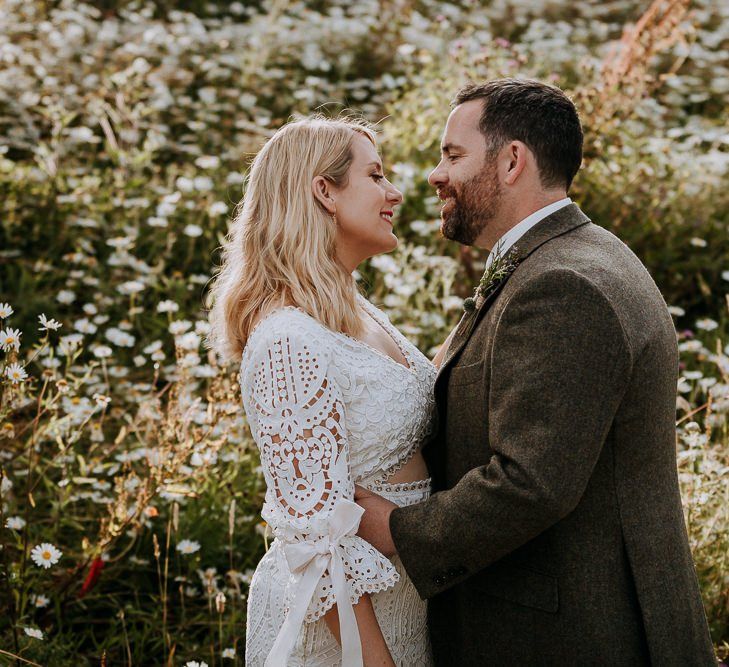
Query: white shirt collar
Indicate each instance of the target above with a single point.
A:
(517, 231)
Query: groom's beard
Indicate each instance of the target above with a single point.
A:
(475, 203)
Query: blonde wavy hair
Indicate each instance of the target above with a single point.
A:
(279, 249)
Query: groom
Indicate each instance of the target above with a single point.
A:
(555, 534)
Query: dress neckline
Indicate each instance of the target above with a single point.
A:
(368, 308)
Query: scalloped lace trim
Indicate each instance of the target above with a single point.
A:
(357, 589)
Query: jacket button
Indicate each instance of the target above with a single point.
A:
(439, 580)
(460, 571)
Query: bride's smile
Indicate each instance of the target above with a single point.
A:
(363, 208)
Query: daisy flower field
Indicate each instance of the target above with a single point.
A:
(130, 489)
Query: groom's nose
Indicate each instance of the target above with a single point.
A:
(438, 176)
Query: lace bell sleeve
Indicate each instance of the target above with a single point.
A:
(297, 417)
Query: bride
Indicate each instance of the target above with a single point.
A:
(334, 396)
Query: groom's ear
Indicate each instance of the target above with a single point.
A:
(515, 158)
(322, 189)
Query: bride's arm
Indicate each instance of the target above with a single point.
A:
(296, 410)
(374, 649)
(438, 358)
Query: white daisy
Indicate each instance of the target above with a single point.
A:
(179, 327)
(152, 347)
(184, 184)
(234, 178)
(208, 162)
(120, 338)
(203, 183)
(15, 523)
(706, 324)
(167, 306)
(192, 230)
(67, 344)
(45, 555)
(217, 208)
(33, 632)
(188, 547)
(6, 310)
(101, 400)
(10, 338)
(195, 663)
(202, 327)
(229, 653)
(66, 296)
(48, 323)
(209, 577)
(188, 341)
(16, 373)
(40, 601)
(131, 287)
(102, 351)
(84, 326)
(724, 275)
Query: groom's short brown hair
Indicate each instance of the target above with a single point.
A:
(535, 113)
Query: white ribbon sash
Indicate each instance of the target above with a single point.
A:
(310, 560)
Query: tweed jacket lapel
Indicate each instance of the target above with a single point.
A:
(558, 223)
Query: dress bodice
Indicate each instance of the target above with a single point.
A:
(389, 407)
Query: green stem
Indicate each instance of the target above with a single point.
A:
(12, 608)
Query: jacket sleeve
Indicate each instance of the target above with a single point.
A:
(297, 418)
(560, 364)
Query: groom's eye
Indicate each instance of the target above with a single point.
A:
(453, 158)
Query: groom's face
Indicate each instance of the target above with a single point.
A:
(466, 177)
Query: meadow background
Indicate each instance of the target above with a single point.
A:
(129, 522)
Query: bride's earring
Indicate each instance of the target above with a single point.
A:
(334, 218)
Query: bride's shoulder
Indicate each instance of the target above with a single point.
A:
(285, 323)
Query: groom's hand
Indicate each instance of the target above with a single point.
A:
(375, 524)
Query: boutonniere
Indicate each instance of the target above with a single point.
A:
(501, 268)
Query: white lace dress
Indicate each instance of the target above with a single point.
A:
(328, 411)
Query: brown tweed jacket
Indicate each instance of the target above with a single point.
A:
(555, 535)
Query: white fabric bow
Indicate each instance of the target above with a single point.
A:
(311, 559)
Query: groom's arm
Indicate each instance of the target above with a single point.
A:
(560, 367)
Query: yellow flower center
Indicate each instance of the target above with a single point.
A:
(47, 555)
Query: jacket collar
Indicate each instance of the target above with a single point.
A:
(558, 223)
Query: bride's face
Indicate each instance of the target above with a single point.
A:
(364, 207)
